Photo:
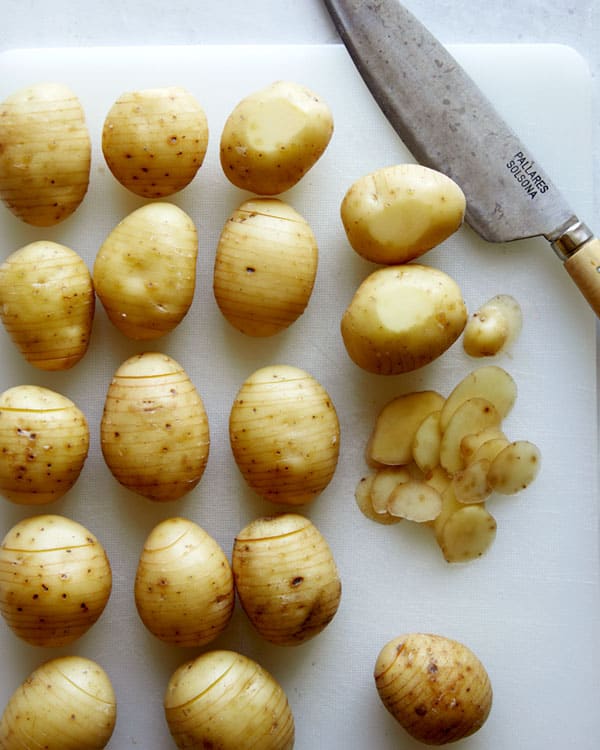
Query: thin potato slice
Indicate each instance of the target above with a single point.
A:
(489, 449)
(362, 495)
(515, 467)
(470, 417)
(467, 534)
(396, 425)
(450, 505)
(470, 444)
(384, 484)
(471, 484)
(489, 382)
(426, 442)
(416, 501)
(438, 478)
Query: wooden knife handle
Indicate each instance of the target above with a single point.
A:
(584, 268)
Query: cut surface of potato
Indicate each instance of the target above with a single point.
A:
(416, 501)
(470, 444)
(471, 417)
(385, 482)
(493, 327)
(467, 533)
(396, 426)
(471, 484)
(362, 495)
(488, 450)
(426, 443)
(515, 467)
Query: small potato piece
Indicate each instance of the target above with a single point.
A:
(515, 467)
(155, 140)
(426, 443)
(472, 416)
(47, 304)
(493, 327)
(286, 578)
(490, 382)
(416, 501)
(435, 687)
(396, 425)
(265, 267)
(154, 431)
(402, 318)
(67, 703)
(145, 271)
(385, 482)
(55, 580)
(45, 153)
(44, 442)
(362, 495)
(488, 450)
(450, 505)
(225, 700)
(274, 136)
(183, 589)
(467, 534)
(470, 445)
(471, 484)
(284, 434)
(397, 213)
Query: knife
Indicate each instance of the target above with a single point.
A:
(448, 124)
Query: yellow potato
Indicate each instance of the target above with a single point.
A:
(435, 687)
(472, 416)
(286, 578)
(44, 442)
(284, 434)
(45, 153)
(493, 327)
(155, 140)
(402, 318)
(47, 304)
(274, 136)
(225, 700)
(397, 213)
(55, 580)
(490, 382)
(67, 703)
(415, 500)
(467, 533)
(145, 271)
(362, 495)
(426, 443)
(385, 481)
(154, 431)
(265, 267)
(515, 467)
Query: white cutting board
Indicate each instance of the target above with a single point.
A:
(531, 607)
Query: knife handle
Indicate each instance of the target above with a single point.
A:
(583, 266)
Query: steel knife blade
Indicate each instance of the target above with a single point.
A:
(448, 124)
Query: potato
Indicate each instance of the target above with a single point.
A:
(284, 434)
(471, 484)
(225, 700)
(265, 267)
(44, 442)
(392, 439)
(472, 416)
(467, 533)
(493, 327)
(55, 580)
(402, 318)
(154, 430)
(154, 140)
(45, 153)
(274, 136)
(47, 304)
(426, 443)
(67, 703)
(286, 578)
(435, 687)
(385, 481)
(363, 498)
(416, 501)
(397, 213)
(145, 271)
(183, 589)
(515, 467)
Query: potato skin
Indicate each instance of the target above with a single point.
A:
(286, 578)
(402, 318)
(67, 703)
(435, 687)
(47, 304)
(223, 699)
(274, 136)
(45, 153)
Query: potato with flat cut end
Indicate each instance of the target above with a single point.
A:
(47, 304)
(44, 443)
(493, 327)
(286, 578)
(515, 467)
(467, 534)
(362, 495)
(145, 271)
(490, 382)
(265, 267)
(155, 140)
(471, 417)
(274, 136)
(55, 580)
(67, 703)
(154, 431)
(435, 687)
(402, 318)
(225, 700)
(45, 153)
(397, 213)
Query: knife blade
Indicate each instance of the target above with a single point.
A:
(448, 124)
